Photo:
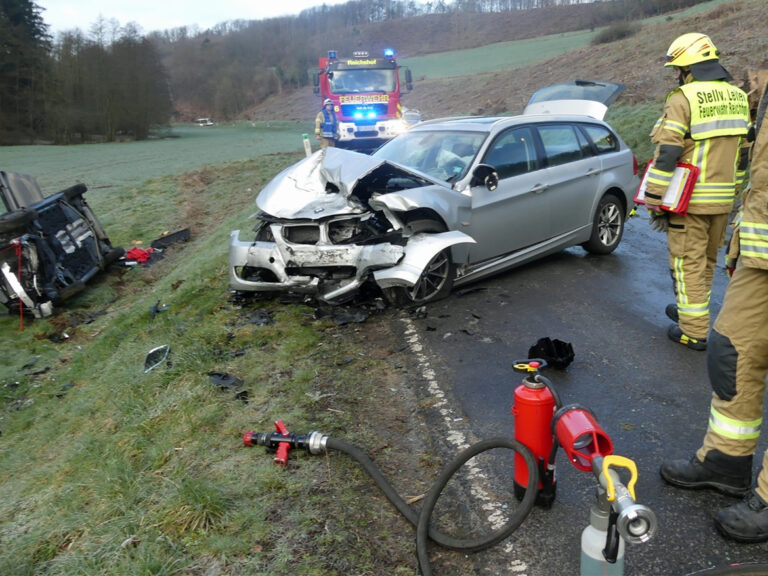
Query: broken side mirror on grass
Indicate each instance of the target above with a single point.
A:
(155, 357)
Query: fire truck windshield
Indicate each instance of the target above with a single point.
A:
(357, 81)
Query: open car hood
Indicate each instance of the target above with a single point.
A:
(330, 182)
(581, 97)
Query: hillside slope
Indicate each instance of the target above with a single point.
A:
(737, 28)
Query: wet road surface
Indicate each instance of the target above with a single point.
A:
(649, 394)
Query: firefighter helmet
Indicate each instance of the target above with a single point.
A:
(327, 101)
(691, 49)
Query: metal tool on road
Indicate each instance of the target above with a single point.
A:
(542, 424)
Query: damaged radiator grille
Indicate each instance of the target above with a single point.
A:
(309, 234)
(342, 231)
(339, 231)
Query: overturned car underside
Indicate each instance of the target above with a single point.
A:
(50, 247)
(336, 220)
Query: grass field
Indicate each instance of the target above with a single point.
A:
(106, 470)
(499, 56)
(175, 150)
(520, 53)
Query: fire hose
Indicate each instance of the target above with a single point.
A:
(572, 427)
(282, 441)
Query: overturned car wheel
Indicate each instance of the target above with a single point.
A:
(435, 282)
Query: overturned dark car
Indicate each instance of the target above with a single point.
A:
(49, 246)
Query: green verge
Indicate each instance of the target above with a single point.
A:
(107, 470)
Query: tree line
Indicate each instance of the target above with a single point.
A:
(113, 81)
(101, 86)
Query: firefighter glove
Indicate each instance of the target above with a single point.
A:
(659, 221)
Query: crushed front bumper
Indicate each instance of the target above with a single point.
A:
(327, 270)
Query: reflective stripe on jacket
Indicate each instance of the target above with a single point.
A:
(715, 150)
(753, 232)
(717, 109)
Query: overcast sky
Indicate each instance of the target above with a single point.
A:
(164, 14)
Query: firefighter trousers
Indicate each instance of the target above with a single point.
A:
(693, 242)
(737, 361)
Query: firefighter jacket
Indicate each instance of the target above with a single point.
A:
(704, 124)
(753, 231)
(326, 124)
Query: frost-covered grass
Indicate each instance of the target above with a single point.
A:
(172, 151)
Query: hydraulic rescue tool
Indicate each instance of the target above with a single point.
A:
(542, 424)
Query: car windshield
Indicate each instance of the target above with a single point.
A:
(442, 154)
(367, 80)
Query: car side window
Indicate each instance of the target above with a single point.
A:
(512, 153)
(561, 143)
(604, 139)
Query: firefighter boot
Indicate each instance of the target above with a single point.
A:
(731, 475)
(746, 521)
(677, 335)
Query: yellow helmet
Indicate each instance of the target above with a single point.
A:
(691, 49)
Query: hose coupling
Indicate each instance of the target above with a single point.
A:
(282, 441)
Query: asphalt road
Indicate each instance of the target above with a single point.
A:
(649, 394)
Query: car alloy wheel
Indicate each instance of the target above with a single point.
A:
(608, 226)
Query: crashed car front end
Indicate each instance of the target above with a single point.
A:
(321, 231)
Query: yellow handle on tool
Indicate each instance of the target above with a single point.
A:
(526, 367)
(621, 462)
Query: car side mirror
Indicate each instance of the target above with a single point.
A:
(155, 357)
(485, 175)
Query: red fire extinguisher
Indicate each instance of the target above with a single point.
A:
(534, 406)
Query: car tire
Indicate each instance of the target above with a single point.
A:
(16, 221)
(436, 281)
(113, 255)
(608, 226)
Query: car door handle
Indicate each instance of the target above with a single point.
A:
(592, 171)
(538, 188)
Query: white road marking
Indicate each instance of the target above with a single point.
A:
(458, 439)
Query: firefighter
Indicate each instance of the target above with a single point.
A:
(704, 122)
(326, 125)
(737, 362)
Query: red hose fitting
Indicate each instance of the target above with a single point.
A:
(283, 448)
(249, 438)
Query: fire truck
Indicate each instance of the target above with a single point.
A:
(365, 91)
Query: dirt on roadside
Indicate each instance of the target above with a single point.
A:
(395, 424)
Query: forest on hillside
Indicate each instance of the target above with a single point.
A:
(112, 81)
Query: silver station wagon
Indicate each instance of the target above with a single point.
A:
(449, 202)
